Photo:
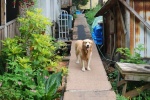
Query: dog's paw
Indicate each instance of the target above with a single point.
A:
(83, 69)
(88, 68)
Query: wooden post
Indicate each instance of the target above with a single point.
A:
(124, 88)
(90, 4)
(2, 12)
(5, 29)
(3, 16)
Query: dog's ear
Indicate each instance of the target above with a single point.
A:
(84, 41)
(91, 42)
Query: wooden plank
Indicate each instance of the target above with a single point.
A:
(122, 21)
(135, 13)
(133, 68)
(11, 30)
(136, 91)
(137, 77)
(124, 89)
(11, 22)
(121, 82)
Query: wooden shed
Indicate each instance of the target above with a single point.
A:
(126, 24)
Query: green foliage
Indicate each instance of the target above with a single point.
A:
(41, 56)
(27, 58)
(2, 64)
(33, 22)
(74, 16)
(113, 78)
(91, 13)
(145, 95)
(51, 86)
(23, 84)
(79, 2)
(120, 97)
(128, 57)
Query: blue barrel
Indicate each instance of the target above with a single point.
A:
(97, 34)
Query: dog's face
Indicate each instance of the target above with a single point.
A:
(87, 43)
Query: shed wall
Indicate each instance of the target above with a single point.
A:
(139, 34)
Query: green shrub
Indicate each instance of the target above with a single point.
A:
(128, 57)
(28, 59)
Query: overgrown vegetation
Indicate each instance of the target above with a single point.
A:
(79, 2)
(30, 62)
(143, 95)
(91, 13)
(131, 58)
(127, 57)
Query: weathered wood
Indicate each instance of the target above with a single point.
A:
(134, 72)
(11, 22)
(122, 21)
(121, 83)
(11, 31)
(137, 77)
(66, 3)
(124, 89)
(1, 35)
(135, 13)
(136, 91)
(133, 68)
(3, 12)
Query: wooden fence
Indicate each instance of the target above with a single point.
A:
(10, 31)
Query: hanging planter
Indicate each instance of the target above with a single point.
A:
(27, 3)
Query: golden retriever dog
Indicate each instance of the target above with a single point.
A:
(83, 50)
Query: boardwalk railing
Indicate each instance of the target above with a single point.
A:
(9, 30)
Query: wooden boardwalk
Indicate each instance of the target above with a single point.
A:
(88, 85)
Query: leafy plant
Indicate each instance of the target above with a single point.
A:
(128, 57)
(28, 58)
(77, 2)
(33, 22)
(90, 14)
(120, 97)
(24, 85)
(51, 86)
(113, 78)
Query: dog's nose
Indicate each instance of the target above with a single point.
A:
(87, 46)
